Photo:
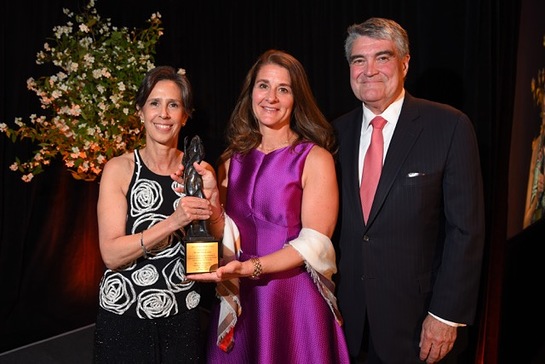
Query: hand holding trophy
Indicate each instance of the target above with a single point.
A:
(201, 248)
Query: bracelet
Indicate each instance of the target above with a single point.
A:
(142, 244)
(257, 268)
(220, 217)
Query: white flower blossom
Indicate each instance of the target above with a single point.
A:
(31, 83)
(97, 73)
(56, 94)
(86, 42)
(27, 177)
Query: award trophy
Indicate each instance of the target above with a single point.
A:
(201, 248)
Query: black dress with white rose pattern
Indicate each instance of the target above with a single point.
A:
(150, 287)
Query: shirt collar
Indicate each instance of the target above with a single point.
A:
(391, 114)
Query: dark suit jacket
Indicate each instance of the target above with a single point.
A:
(422, 247)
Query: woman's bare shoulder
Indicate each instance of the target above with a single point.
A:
(318, 156)
(119, 168)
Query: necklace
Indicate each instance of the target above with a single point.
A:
(164, 166)
(277, 146)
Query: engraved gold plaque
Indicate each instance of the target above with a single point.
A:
(201, 256)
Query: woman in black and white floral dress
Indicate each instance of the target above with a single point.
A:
(148, 312)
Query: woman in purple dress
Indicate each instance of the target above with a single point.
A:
(278, 186)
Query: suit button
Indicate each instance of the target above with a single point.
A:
(362, 277)
(366, 238)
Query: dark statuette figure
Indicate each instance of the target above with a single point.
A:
(194, 152)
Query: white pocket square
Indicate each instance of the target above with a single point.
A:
(415, 174)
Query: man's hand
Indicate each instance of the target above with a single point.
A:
(436, 340)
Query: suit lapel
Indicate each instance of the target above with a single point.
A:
(350, 157)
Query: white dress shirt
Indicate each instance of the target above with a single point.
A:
(391, 114)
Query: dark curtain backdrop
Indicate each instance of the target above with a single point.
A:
(463, 53)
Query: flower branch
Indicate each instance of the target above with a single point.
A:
(90, 98)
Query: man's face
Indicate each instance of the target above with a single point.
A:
(377, 72)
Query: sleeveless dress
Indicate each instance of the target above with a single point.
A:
(284, 318)
(145, 311)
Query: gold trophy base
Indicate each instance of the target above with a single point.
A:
(201, 256)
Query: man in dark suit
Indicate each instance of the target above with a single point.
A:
(409, 274)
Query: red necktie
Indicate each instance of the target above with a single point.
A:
(372, 166)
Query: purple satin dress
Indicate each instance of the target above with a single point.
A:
(284, 318)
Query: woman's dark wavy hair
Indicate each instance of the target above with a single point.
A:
(161, 73)
(307, 121)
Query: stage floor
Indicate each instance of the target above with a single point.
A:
(75, 346)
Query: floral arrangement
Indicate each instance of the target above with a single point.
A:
(538, 87)
(90, 97)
